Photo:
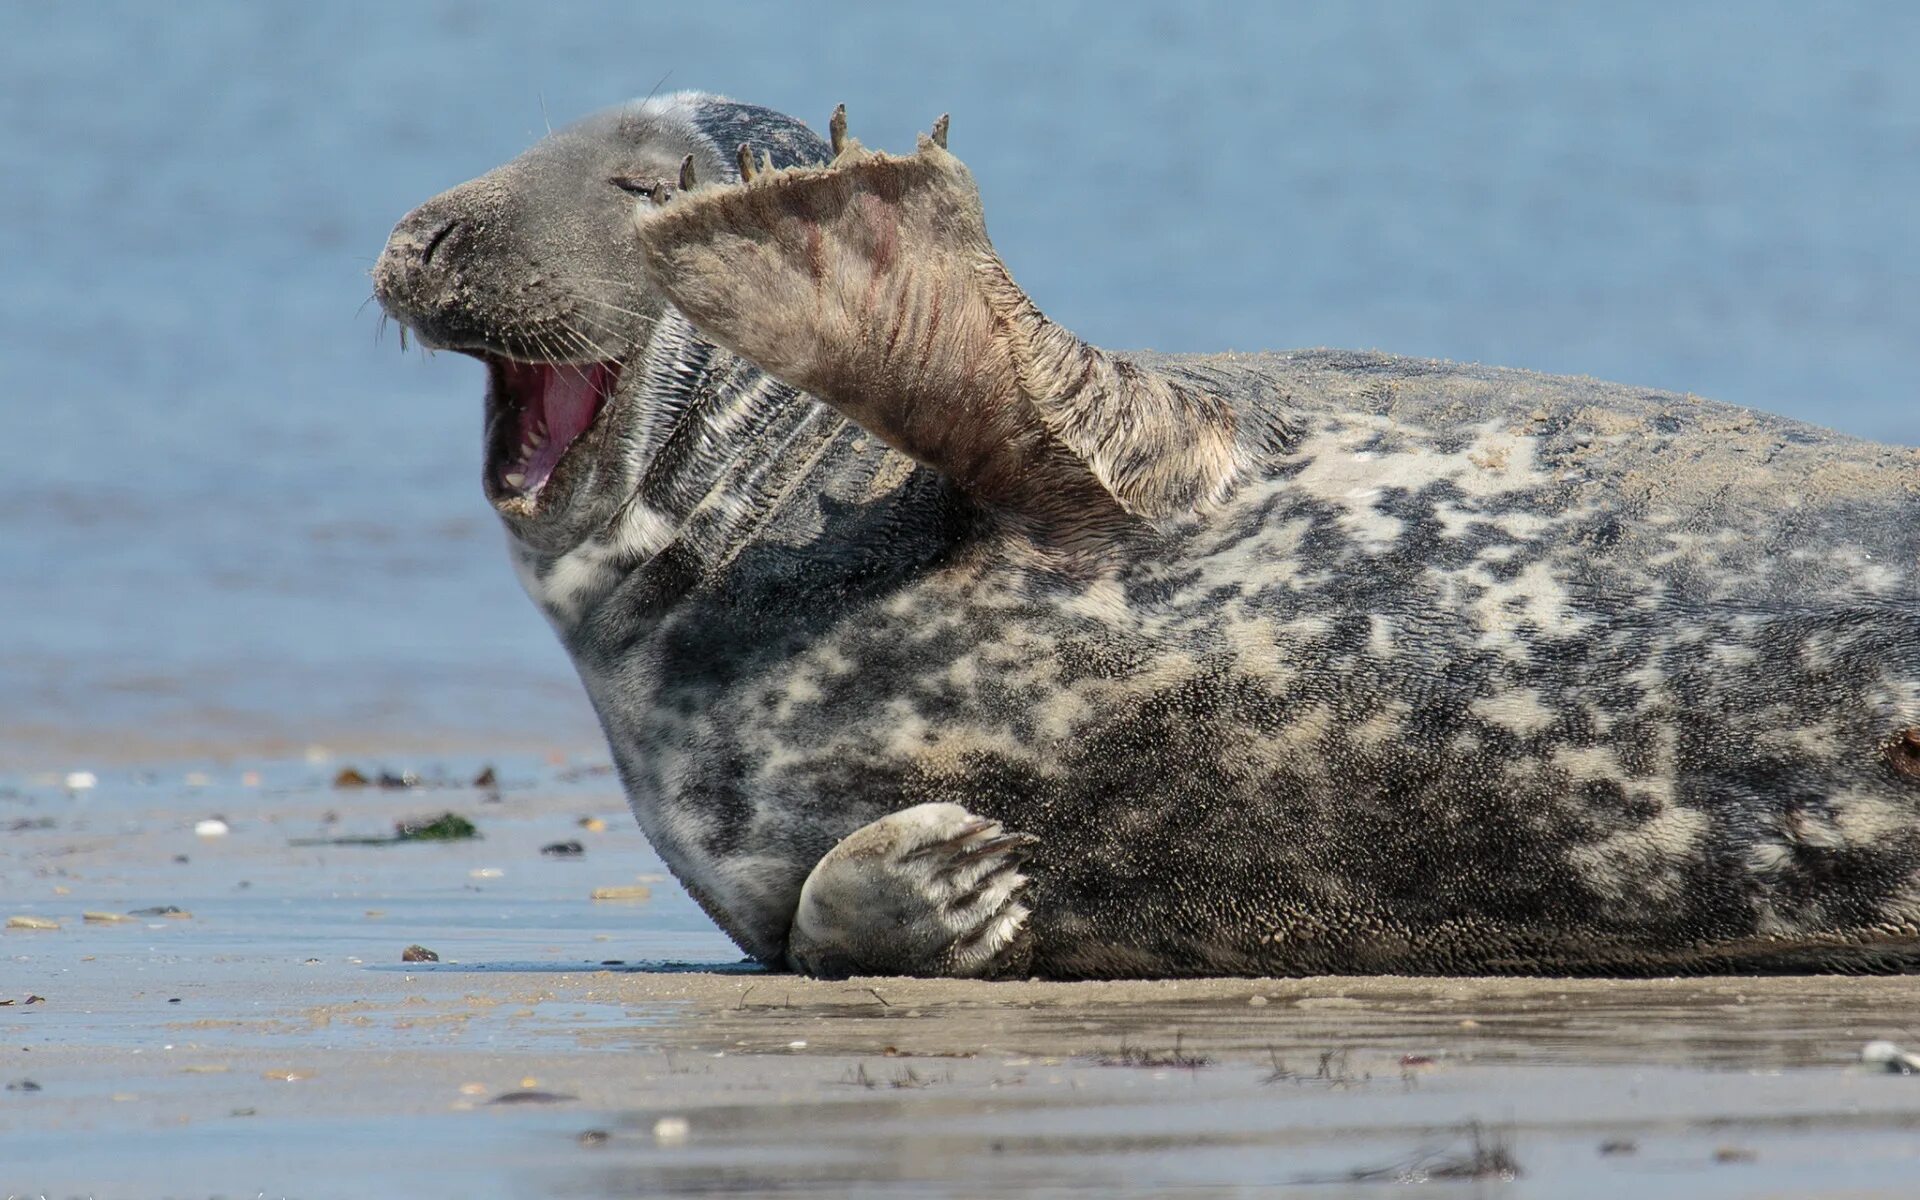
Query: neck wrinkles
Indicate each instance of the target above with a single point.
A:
(722, 443)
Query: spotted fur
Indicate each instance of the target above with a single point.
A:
(1449, 669)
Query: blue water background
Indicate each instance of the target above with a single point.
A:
(236, 521)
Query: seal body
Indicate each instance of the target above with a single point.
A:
(1278, 663)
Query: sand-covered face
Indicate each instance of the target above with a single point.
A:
(529, 268)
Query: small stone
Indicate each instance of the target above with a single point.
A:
(418, 954)
(594, 1137)
(486, 778)
(80, 781)
(23, 1085)
(350, 778)
(172, 912)
(104, 918)
(563, 850)
(1734, 1154)
(212, 827)
(486, 873)
(31, 923)
(291, 1075)
(593, 824)
(1256, 1001)
(670, 1131)
(1619, 1146)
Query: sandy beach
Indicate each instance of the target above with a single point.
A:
(267, 1039)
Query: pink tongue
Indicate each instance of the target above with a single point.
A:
(569, 398)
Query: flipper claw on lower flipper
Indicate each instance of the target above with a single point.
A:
(871, 284)
(931, 890)
(1011, 848)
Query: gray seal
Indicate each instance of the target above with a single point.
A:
(930, 639)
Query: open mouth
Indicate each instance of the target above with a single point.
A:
(540, 410)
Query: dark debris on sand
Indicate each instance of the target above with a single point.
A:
(447, 827)
(1135, 1056)
(1487, 1155)
(532, 1096)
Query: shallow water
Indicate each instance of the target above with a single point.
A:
(238, 521)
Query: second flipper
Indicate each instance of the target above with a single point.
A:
(871, 284)
(931, 890)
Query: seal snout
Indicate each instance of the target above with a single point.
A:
(415, 279)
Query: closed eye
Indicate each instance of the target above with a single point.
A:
(636, 187)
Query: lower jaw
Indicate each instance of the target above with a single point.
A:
(525, 478)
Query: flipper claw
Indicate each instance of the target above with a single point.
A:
(687, 179)
(744, 156)
(837, 129)
(940, 131)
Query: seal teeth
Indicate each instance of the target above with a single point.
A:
(514, 478)
(837, 128)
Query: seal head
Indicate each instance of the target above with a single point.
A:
(530, 269)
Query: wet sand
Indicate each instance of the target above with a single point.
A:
(269, 1041)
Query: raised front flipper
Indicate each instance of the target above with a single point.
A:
(931, 890)
(871, 284)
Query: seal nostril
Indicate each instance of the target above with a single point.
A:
(433, 243)
(1903, 751)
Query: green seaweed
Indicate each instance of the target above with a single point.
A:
(447, 827)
